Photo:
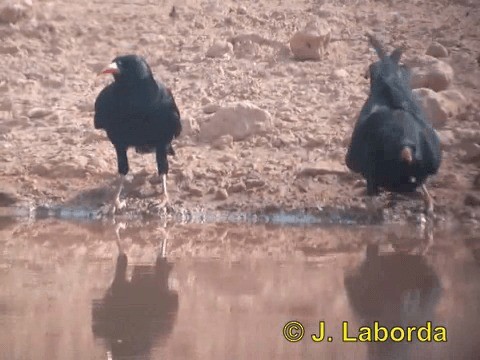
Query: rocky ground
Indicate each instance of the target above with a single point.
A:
(264, 130)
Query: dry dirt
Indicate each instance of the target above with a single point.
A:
(51, 154)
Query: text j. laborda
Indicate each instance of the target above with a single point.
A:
(294, 331)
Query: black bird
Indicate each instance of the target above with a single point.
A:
(137, 111)
(393, 145)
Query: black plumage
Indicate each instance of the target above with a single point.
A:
(393, 145)
(137, 111)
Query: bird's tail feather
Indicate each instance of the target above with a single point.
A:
(144, 149)
(148, 149)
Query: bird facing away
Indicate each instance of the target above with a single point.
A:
(137, 111)
(393, 146)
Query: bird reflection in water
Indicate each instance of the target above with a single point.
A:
(396, 289)
(473, 243)
(137, 314)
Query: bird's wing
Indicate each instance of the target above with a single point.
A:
(380, 132)
(103, 107)
(357, 153)
(418, 132)
(168, 104)
(431, 150)
(169, 92)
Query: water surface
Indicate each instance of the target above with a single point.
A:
(74, 290)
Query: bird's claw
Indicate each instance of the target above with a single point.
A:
(119, 205)
(163, 206)
(429, 212)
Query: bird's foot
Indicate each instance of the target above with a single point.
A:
(162, 206)
(119, 204)
(164, 201)
(428, 201)
(116, 205)
(429, 212)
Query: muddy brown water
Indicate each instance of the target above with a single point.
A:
(143, 289)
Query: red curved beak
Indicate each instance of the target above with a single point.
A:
(110, 69)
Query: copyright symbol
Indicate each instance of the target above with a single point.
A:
(293, 331)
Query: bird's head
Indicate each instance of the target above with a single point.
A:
(128, 68)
